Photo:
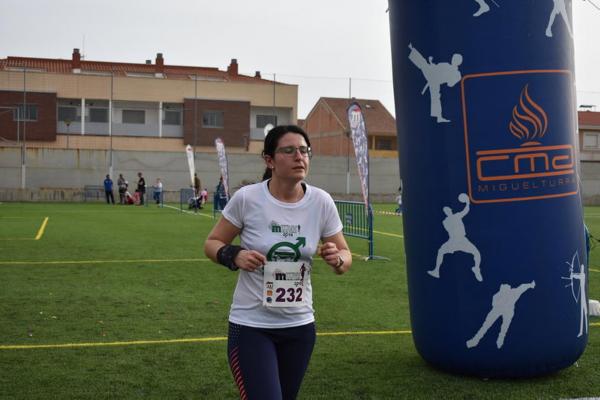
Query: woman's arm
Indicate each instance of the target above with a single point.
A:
(223, 234)
(336, 253)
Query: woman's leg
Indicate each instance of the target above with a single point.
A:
(294, 349)
(253, 362)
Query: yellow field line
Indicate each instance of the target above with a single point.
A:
(97, 261)
(42, 228)
(191, 340)
(171, 341)
(362, 333)
(594, 270)
(108, 344)
(389, 234)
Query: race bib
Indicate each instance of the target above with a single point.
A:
(284, 283)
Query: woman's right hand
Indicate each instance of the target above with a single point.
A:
(249, 260)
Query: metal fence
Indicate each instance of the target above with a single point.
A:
(357, 221)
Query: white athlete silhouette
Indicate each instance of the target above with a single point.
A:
(457, 240)
(436, 76)
(559, 8)
(483, 8)
(581, 297)
(503, 306)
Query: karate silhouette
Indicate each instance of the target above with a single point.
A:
(436, 75)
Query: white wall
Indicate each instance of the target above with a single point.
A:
(61, 168)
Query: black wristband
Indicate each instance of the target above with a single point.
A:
(227, 254)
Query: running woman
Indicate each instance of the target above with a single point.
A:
(280, 222)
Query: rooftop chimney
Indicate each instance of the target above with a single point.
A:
(76, 61)
(159, 70)
(257, 75)
(232, 69)
(148, 62)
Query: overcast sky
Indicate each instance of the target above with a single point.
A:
(318, 44)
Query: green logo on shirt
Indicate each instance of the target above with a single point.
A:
(285, 230)
(286, 251)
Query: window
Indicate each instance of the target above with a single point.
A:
(134, 116)
(27, 113)
(172, 117)
(98, 115)
(264, 120)
(67, 114)
(384, 143)
(140, 74)
(212, 119)
(590, 141)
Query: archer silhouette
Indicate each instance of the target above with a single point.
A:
(582, 296)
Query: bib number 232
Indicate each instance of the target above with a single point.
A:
(284, 284)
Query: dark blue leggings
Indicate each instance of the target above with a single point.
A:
(269, 364)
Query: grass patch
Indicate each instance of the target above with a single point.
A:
(104, 274)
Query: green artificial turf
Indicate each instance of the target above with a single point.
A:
(131, 308)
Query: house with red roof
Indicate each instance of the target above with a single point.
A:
(328, 129)
(78, 103)
(589, 135)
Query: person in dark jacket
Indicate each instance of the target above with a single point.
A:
(141, 188)
(123, 185)
(108, 190)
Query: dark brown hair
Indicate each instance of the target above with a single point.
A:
(272, 141)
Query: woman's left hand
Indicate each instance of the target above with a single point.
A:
(332, 256)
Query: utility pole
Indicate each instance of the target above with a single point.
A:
(24, 144)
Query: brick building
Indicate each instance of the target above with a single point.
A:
(327, 126)
(147, 106)
(589, 135)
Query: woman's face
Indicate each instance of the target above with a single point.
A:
(291, 158)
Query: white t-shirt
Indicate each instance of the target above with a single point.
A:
(282, 232)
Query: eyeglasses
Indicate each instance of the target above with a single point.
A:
(291, 150)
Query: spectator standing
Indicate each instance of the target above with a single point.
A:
(141, 188)
(197, 186)
(108, 190)
(220, 195)
(123, 185)
(399, 201)
(158, 189)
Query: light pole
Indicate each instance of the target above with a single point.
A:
(110, 122)
(24, 144)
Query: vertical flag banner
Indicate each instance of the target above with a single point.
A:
(358, 132)
(189, 152)
(493, 220)
(223, 167)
